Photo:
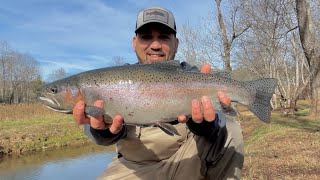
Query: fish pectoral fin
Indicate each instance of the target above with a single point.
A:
(107, 118)
(230, 110)
(168, 128)
(92, 111)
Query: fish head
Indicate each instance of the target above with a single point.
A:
(60, 97)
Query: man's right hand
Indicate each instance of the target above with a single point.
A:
(96, 122)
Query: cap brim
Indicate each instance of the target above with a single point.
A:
(148, 23)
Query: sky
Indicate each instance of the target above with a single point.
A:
(80, 35)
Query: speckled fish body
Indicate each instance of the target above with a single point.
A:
(159, 92)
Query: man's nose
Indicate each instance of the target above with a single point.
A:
(155, 45)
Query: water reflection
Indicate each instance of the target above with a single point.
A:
(85, 162)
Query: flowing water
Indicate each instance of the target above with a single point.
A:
(85, 162)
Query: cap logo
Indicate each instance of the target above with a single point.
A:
(155, 14)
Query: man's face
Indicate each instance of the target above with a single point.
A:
(155, 42)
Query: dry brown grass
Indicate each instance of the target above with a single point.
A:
(23, 111)
(287, 148)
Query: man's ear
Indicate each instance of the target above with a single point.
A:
(177, 44)
(134, 42)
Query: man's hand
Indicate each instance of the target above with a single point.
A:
(208, 113)
(96, 122)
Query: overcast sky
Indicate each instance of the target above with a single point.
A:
(80, 35)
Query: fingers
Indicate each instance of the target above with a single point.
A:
(208, 111)
(224, 99)
(206, 68)
(98, 121)
(78, 114)
(182, 119)
(116, 125)
(98, 103)
(196, 111)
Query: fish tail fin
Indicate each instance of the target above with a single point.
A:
(264, 89)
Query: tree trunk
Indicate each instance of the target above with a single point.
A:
(225, 40)
(307, 37)
(315, 96)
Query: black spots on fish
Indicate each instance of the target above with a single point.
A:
(169, 77)
(130, 114)
(186, 78)
(266, 85)
(96, 83)
(264, 89)
(174, 78)
(111, 99)
(151, 77)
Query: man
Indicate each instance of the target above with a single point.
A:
(210, 145)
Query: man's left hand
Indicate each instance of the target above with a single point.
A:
(208, 113)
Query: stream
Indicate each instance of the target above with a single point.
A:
(85, 162)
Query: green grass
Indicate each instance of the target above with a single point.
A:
(43, 129)
(303, 112)
(262, 132)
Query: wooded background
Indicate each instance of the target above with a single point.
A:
(262, 39)
(250, 39)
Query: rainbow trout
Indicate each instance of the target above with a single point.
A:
(152, 94)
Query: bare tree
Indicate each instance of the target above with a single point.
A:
(4, 59)
(227, 41)
(118, 61)
(57, 74)
(311, 51)
(31, 73)
(191, 48)
(271, 48)
(213, 42)
(18, 70)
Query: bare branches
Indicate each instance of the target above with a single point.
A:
(118, 60)
(17, 72)
(235, 35)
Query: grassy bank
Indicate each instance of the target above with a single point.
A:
(25, 128)
(287, 148)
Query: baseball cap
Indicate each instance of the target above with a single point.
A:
(158, 15)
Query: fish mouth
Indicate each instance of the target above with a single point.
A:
(54, 105)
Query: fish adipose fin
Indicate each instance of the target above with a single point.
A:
(261, 106)
(168, 128)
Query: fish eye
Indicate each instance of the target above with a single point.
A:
(53, 90)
